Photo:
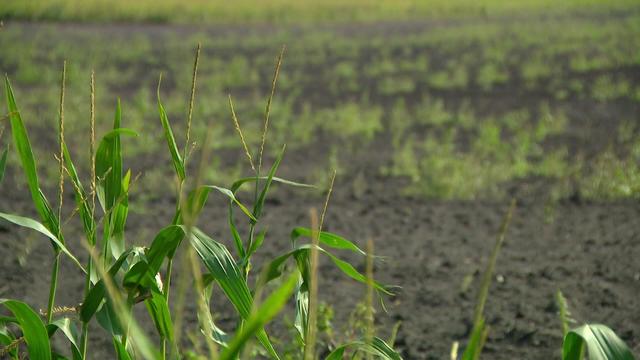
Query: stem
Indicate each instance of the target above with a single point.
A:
(105, 241)
(92, 237)
(85, 325)
(312, 315)
(53, 286)
(167, 284)
(252, 228)
(163, 354)
(125, 335)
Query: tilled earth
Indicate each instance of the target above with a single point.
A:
(586, 250)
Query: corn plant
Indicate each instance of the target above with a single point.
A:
(119, 276)
(599, 341)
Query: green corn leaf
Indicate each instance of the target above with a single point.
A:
(70, 332)
(238, 183)
(112, 187)
(217, 335)
(257, 242)
(233, 198)
(198, 198)
(108, 163)
(476, 341)
(237, 240)
(267, 310)
(600, 341)
(7, 338)
(95, 296)
(350, 271)
(34, 225)
(163, 246)
(23, 146)
(119, 131)
(33, 329)
(302, 309)
(3, 163)
(257, 209)
(178, 163)
(275, 267)
(119, 218)
(328, 239)
(224, 270)
(377, 347)
(108, 319)
(159, 312)
(121, 351)
(82, 204)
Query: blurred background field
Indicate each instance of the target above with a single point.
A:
(292, 11)
(454, 100)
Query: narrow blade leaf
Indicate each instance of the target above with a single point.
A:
(34, 225)
(23, 146)
(3, 163)
(257, 209)
(178, 163)
(224, 270)
(70, 332)
(267, 310)
(33, 330)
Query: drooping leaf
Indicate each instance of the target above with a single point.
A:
(600, 341)
(198, 198)
(238, 183)
(70, 332)
(328, 239)
(274, 268)
(34, 225)
(377, 347)
(33, 329)
(205, 319)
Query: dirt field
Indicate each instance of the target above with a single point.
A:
(588, 249)
(588, 252)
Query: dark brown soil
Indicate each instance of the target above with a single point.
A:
(587, 250)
